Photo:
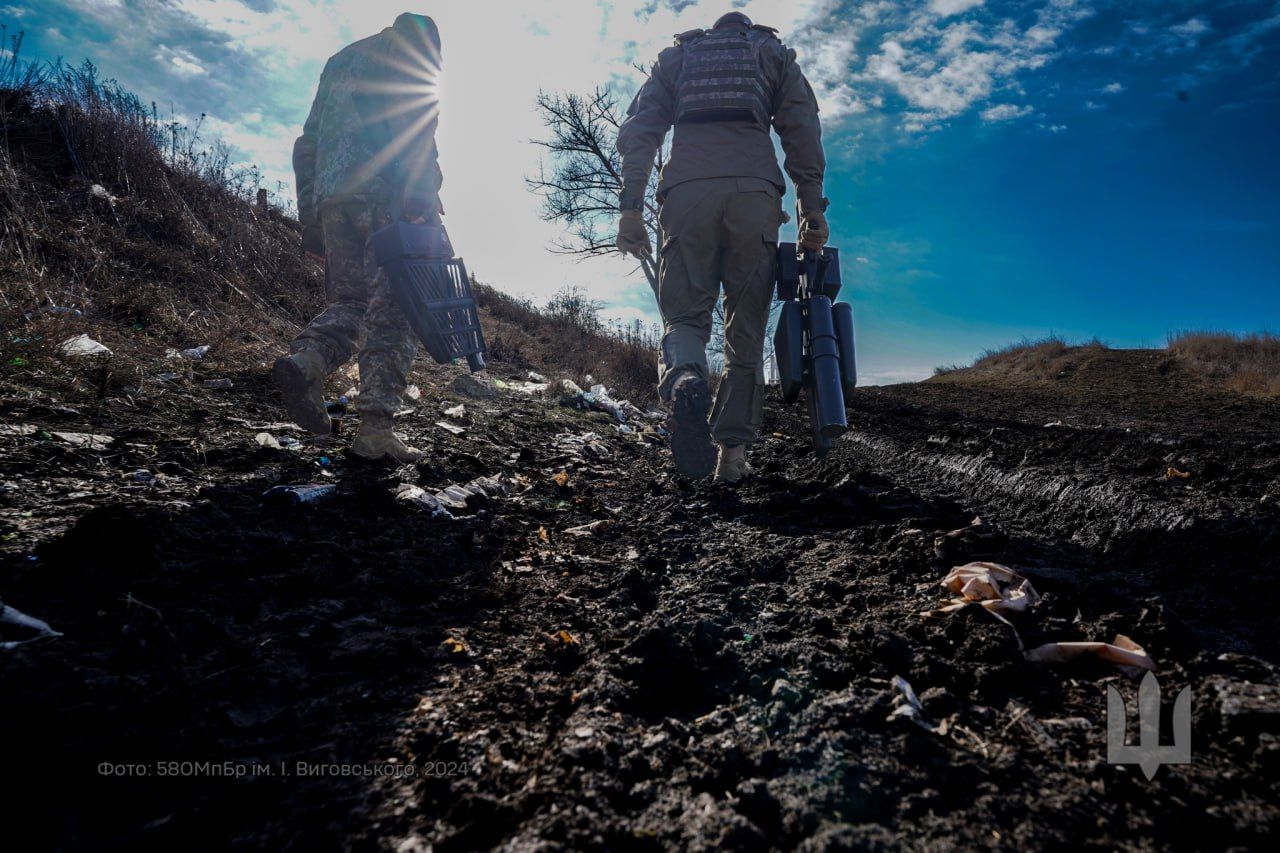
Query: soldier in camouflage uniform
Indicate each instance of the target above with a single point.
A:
(720, 195)
(368, 147)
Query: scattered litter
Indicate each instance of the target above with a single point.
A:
(456, 498)
(908, 705)
(420, 498)
(561, 479)
(452, 429)
(413, 392)
(147, 478)
(18, 429)
(473, 385)
(168, 376)
(534, 376)
(599, 399)
(997, 588)
(458, 411)
(589, 529)
(88, 440)
(351, 394)
(82, 345)
(565, 638)
(1126, 655)
(273, 442)
(218, 384)
(296, 495)
(1174, 473)
(193, 354)
(455, 645)
(1054, 423)
(529, 388)
(17, 619)
(99, 191)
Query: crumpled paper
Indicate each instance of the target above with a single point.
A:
(998, 588)
(1126, 655)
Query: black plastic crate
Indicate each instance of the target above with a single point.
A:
(433, 290)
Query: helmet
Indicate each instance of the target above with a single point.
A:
(732, 18)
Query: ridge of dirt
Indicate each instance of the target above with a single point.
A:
(610, 657)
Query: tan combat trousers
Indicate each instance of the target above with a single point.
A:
(361, 306)
(719, 231)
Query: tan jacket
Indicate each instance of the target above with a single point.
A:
(725, 149)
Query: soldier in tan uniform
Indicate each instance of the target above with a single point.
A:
(720, 194)
(368, 148)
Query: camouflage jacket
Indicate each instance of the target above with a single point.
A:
(362, 138)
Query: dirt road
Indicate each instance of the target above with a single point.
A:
(608, 657)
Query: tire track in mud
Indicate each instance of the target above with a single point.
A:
(1077, 508)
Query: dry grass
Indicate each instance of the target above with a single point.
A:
(567, 336)
(135, 230)
(1248, 363)
(1044, 358)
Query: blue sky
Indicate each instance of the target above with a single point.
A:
(997, 169)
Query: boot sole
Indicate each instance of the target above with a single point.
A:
(691, 445)
(295, 389)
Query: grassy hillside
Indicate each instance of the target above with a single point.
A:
(1247, 364)
(146, 236)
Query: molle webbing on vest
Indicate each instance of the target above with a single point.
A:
(722, 79)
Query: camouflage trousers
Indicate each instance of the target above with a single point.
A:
(361, 306)
(719, 231)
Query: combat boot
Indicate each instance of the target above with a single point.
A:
(300, 378)
(375, 441)
(732, 465)
(691, 444)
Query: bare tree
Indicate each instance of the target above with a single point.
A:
(581, 179)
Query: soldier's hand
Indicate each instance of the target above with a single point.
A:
(633, 237)
(313, 241)
(814, 231)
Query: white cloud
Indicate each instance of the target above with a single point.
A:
(946, 8)
(1113, 88)
(944, 68)
(1005, 112)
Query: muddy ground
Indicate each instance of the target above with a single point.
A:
(695, 668)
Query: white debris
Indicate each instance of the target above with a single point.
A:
(10, 616)
(458, 411)
(82, 345)
(88, 440)
(909, 705)
(99, 191)
(413, 392)
(417, 496)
